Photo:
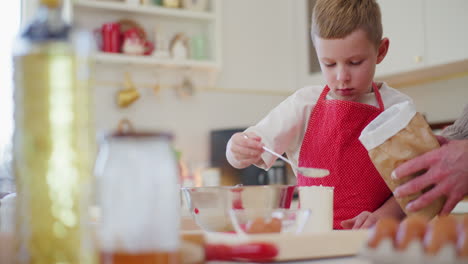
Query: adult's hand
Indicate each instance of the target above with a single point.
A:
(446, 169)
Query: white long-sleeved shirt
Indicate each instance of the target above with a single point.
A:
(283, 129)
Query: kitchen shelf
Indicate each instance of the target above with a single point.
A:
(146, 9)
(112, 58)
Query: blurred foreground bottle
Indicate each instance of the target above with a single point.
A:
(53, 141)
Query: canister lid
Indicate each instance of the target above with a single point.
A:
(51, 3)
(125, 129)
(387, 124)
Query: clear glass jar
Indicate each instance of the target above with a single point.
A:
(139, 199)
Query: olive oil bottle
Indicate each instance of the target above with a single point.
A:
(53, 141)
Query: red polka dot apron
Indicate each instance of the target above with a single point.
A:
(332, 141)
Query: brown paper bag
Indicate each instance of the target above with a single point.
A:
(395, 136)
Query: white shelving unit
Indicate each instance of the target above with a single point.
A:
(208, 20)
(146, 9)
(103, 57)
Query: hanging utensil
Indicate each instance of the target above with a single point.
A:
(128, 95)
(186, 88)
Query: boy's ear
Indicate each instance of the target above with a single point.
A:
(383, 49)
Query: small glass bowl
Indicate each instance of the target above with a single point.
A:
(254, 221)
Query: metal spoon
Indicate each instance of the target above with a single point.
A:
(308, 172)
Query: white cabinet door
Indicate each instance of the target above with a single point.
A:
(446, 25)
(257, 45)
(403, 24)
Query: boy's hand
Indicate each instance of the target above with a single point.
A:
(367, 219)
(363, 220)
(246, 149)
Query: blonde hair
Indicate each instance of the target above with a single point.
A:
(333, 19)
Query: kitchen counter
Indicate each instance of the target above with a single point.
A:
(189, 225)
(345, 260)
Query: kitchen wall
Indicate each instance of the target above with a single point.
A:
(264, 52)
(440, 101)
(190, 119)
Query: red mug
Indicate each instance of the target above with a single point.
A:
(109, 38)
(149, 47)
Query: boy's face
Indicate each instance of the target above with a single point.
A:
(348, 64)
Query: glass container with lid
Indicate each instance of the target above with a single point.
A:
(139, 198)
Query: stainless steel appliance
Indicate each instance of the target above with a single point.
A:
(248, 176)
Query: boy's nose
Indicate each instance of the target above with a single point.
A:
(343, 74)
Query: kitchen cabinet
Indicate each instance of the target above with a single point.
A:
(446, 37)
(157, 21)
(258, 45)
(424, 37)
(405, 30)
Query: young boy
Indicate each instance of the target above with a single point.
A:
(319, 126)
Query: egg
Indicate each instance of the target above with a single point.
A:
(256, 226)
(462, 242)
(259, 225)
(384, 228)
(440, 232)
(274, 226)
(411, 228)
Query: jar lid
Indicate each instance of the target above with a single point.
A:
(387, 124)
(51, 3)
(125, 129)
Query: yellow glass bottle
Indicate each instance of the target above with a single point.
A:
(53, 142)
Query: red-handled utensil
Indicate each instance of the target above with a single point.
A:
(248, 251)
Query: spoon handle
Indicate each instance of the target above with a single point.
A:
(274, 153)
(279, 156)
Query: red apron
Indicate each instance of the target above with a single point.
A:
(332, 141)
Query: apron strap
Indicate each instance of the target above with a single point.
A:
(378, 97)
(324, 93)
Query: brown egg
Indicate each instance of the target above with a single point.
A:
(440, 231)
(384, 228)
(257, 226)
(274, 226)
(411, 228)
(462, 242)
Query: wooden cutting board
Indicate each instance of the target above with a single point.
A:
(280, 247)
(287, 247)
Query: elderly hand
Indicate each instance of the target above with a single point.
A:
(244, 149)
(446, 169)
